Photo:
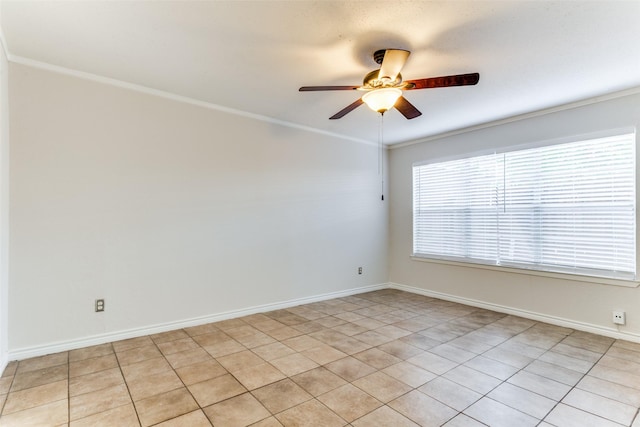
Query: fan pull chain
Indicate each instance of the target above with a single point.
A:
(381, 155)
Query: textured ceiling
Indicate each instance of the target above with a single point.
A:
(252, 56)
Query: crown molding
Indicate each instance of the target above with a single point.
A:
(174, 97)
(524, 116)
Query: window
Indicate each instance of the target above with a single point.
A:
(563, 208)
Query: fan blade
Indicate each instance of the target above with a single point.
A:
(347, 109)
(392, 63)
(445, 81)
(406, 108)
(318, 88)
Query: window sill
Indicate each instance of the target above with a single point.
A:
(563, 276)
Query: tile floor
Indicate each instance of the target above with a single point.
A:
(385, 358)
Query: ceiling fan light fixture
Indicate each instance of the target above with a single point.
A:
(381, 100)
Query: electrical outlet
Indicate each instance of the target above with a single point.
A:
(619, 317)
(99, 305)
(359, 270)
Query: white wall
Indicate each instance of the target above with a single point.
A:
(582, 305)
(172, 211)
(4, 208)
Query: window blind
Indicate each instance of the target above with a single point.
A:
(564, 208)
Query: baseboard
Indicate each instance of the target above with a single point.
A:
(540, 317)
(25, 353)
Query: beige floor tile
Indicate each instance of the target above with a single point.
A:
(224, 348)
(51, 414)
(568, 416)
(611, 390)
(452, 353)
(523, 400)
(122, 416)
(349, 402)
(318, 381)
(541, 385)
(555, 372)
(36, 396)
(169, 336)
(98, 401)
(350, 329)
(273, 351)
(259, 375)
(422, 409)
(350, 368)
(281, 395)
(509, 357)
(238, 411)
(421, 341)
(215, 390)
(241, 360)
(302, 343)
(351, 345)
(491, 367)
(25, 380)
(5, 384)
(578, 353)
(461, 420)
(450, 393)
(386, 343)
(294, 364)
(400, 349)
(177, 346)
(151, 385)
(145, 369)
(268, 422)
(283, 333)
(212, 338)
(311, 413)
(42, 362)
(470, 378)
(323, 354)
(95, 381)
(128, 344)
(90, 352)
(433, 363)
(565, 361)
(598, 405)
(192, 419)
(384, 417)
(186, 358)
(496, 414)
(202, 371)
(377, 358)
(617, 376)
(193, 331)
(165, 406)
(11, 369)
(409, 374)
(94, 364)
(138, 354)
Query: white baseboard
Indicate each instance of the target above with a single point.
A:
(25, 353)
(540, 317)
(50, 348)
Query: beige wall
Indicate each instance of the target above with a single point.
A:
(582, 305)
(172, 212)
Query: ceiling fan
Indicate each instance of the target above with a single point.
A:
(384, 86)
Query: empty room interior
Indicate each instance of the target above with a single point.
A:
(319, 213)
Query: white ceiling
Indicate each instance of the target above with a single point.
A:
(253, 56)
